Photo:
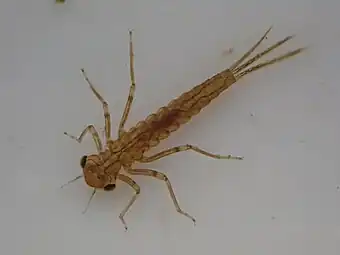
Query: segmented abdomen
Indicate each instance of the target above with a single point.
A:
(160, 125)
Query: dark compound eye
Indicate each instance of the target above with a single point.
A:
(83, 161)
(110, 187)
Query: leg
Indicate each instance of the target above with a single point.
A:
(94, 134)
(131, 92)
(133, 185)
(163, 177)
(185, 148)
(105, 107)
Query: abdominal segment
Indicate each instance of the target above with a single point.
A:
(160, 125)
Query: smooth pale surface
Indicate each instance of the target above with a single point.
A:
(284, 198)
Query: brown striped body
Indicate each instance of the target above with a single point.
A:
(132, 145)
(159, 125)
(103, 169)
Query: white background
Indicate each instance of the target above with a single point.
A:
(284, 198)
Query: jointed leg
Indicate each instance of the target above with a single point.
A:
(105, 107)
(185, 148)
(163, 177)
(133, 185)
(94, 134)
(131, 92)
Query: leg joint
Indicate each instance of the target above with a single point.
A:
(137, 189)
(163, 176)
(159, 175)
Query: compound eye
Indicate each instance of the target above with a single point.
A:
(83, 161)
(110, 187)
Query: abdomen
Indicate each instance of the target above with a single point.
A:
(160, 125)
